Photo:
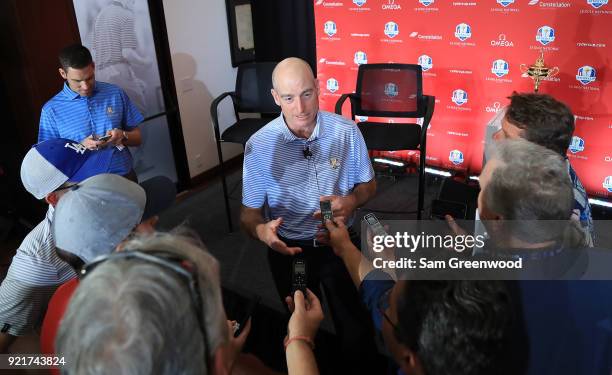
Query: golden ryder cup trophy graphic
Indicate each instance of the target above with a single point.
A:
(538, 71)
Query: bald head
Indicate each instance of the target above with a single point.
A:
(291, 67)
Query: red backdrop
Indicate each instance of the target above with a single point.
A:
(470, 52)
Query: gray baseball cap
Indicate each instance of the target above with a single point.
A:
(97, 214)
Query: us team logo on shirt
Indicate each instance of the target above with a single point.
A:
(109, 110)
(334, 163)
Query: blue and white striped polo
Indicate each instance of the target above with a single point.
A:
(277, 174)
(33, 276)
(69, 115)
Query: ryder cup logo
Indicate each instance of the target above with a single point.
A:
(505, 3)
(545, 35)
(456, 157)
(607, 184)
(463, 31)
(500, 68)
(391, 29)
(577, 145)
(330, 28)
(359, 2)
(425, 62)
(460, 97)
(360, 58)
(332, 85)
(427, 2)
(597, 3)
(586, 75)
(391, 90)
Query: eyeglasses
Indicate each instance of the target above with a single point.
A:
(183, 267)
(383, 305)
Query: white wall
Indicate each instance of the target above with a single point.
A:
(199, 44)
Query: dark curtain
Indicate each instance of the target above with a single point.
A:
(284, 28)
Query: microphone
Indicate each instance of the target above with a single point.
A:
(307, 153)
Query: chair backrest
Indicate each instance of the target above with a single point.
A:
(253, 85)
(389, 90)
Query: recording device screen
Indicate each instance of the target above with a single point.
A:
(300, 267)
(372, 220)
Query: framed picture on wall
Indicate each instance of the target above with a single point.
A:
(240, 26)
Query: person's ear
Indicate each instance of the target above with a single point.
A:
(62, 73)
(276, 97)
(316, 80)
(409, 362)
(52, 198)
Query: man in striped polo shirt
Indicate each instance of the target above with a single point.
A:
(47, 172)
(297, 160)
(85, 110)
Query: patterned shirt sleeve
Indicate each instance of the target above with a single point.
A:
(253, 184)
(47, 128)
(363, 171)
(132, 117)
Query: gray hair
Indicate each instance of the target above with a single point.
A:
(530, 183)
(133, 317)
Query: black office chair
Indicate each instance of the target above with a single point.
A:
(392, 90)
(252, 95)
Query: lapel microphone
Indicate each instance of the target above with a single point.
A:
(307, 153)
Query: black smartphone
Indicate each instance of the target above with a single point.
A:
(375, 225)
(440, 208)
(241, 323)
(104, 138)
(326, 211)
(299, 277)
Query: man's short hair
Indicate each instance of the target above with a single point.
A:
(531, 190)
(75, 56)
(456, 327)
(544, 120)
(132, 316)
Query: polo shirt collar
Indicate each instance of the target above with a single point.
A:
(288, 136)
(68, 93)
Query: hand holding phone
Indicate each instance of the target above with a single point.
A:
(105, 138)
(299, 277)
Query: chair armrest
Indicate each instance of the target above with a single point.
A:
(340, 103)
(213, 110)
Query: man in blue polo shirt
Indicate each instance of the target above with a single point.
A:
(297, 160)
(86, 110)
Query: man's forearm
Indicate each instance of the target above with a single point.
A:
(132, 137)
(357, 265)
(363, 192)
(250, 218)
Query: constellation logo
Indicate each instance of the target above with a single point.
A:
(360, 58)
(391, 5)
(463, 31)
(586, 74)
(505, 3)
(391, 29)
(427, 2)
(597, 3)
(502, 41)
(391, 90)
(607, 184)
(456, 157)
(330, 28)
(500, 68)
(460, 97)
(359, 3)
(545, 35)
(425, 62)
(496, 107)
(332, 85)
(577, 145)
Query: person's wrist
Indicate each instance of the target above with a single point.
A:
(259, 228)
